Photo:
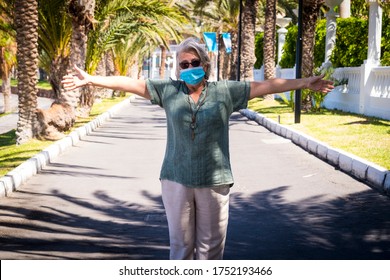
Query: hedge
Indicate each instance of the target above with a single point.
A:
(351, 43)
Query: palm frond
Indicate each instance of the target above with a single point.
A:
(154, 21)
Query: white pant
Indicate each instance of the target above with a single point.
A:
(197, 220)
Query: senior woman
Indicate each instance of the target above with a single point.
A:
(196, 175)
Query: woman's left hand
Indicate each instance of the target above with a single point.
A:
(317, 83)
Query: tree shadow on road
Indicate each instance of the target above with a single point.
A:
(265, 226)
(122, 230)
(262, 226)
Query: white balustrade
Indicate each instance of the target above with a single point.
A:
(381, 87)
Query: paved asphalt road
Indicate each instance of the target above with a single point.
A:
(101, 200)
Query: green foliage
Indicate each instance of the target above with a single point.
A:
(319, 47)
(259, 50)
(288, 101)
(289, 48)
(359, 8)
(385, 59)
(55, 31)
(149, 21)
(351, 43)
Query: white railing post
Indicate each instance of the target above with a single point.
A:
(331, 26)
(282, 31)
(374, 31)
(373, 55)
(366, 85)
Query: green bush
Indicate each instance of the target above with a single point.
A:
(351, 43)
(288, 54)
(385, 58)
(289, 48)
(259, 45)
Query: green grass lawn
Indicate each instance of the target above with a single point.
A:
(366, 137)
(40, 84)
(12, 155)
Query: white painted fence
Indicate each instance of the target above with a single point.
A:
(366, 92)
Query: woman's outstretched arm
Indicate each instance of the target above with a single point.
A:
(81, 78)
(278, 85)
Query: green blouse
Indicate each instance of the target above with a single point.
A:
(197, 151)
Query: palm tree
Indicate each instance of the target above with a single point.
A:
(54, 37)
(251, 8)
(248, 39)
(82, 16)
(116, 21)
(311, 10)
(269, 39)
(26, 23)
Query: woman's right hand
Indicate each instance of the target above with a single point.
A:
(75, 80)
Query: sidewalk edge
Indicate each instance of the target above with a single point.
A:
(370, 173)
(14, 179)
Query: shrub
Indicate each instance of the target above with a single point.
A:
(351, 43)
(289, 48)
(259, 45)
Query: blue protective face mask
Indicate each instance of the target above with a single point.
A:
(192, 76)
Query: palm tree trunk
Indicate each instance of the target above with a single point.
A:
(82, 15)
(269, 39)
(233, 56)
(310, 16)
(248, 57)
(26, 22)
(269, 42)
(58, 69)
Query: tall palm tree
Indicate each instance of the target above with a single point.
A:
(248, 39)
(311, 10)
(26, 23)
(269, 42)
(269, 39)
(251, 8)
(82, 15)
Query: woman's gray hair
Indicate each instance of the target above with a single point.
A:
(192, 45)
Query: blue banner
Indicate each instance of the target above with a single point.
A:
(210, 39)
(227, 42)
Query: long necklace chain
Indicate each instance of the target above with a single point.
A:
(200, 103)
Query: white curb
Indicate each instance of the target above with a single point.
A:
(18, 176)
(361, 169)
